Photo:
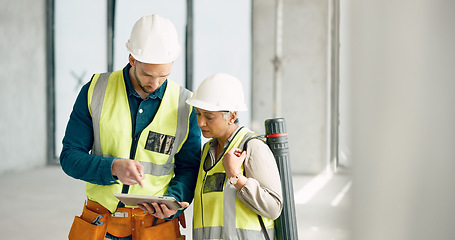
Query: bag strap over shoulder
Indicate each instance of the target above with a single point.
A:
(250, 136)
(264, 230)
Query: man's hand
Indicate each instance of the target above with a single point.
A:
(160, 210)
(128, 171)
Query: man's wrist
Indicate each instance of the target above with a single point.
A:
(108, 175)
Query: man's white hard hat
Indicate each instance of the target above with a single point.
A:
(219, 92)
(154, 40)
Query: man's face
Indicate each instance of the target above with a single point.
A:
(149, 77)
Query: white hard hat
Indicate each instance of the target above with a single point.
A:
(154, 40)
(219, 92)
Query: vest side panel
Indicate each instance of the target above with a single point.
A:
(197, 207)
(90, 91)
(210, 219)
(115, 141)
(116, 127)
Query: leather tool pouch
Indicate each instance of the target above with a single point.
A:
(120, 226)
(165, 230)
(154, 229)
(89, 226)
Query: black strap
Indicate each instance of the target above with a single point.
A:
(260, 137)
(155, 221)
(264, 230)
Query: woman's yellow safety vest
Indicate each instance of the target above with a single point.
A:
(156, 145)
(218, 213)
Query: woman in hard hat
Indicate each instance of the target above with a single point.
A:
(238, 191)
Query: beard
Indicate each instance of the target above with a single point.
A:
(140, 84)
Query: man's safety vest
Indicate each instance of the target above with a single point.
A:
(218, 213)
(154, 148)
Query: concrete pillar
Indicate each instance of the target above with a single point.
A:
(23, 79)
(305, 84)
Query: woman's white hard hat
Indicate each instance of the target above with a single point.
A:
(219, 92)
(154, 40)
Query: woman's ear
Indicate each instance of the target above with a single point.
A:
(233, 118)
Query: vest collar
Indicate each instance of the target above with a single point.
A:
(211, 158)
(214, 142)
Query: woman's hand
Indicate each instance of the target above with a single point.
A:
(160, 210)
(233, 161)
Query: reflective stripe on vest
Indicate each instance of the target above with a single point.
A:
(218, 213)
(156, 145)
(217, 233)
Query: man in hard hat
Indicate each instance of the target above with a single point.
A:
(132, 132)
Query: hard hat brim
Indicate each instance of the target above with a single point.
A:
(212, 107)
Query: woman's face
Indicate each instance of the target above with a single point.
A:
(212, 124)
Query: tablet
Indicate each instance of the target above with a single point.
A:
(134, 200)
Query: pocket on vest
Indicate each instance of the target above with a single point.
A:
(214, 183)
(160, 143)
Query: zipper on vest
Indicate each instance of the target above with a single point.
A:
(132, 156)
(134, 147)
(133, 150)
(202, 201)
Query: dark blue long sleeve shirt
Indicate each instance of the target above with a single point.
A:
(78, 141)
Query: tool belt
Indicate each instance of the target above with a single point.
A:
(95, 221)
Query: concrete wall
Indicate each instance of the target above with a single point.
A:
(305, 88)
(23, 85)
(403, 115)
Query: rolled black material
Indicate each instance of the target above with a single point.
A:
(277, 140)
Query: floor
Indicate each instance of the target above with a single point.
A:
(41, 204)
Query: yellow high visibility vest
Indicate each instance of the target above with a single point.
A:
(156, 145)
(218, 213)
